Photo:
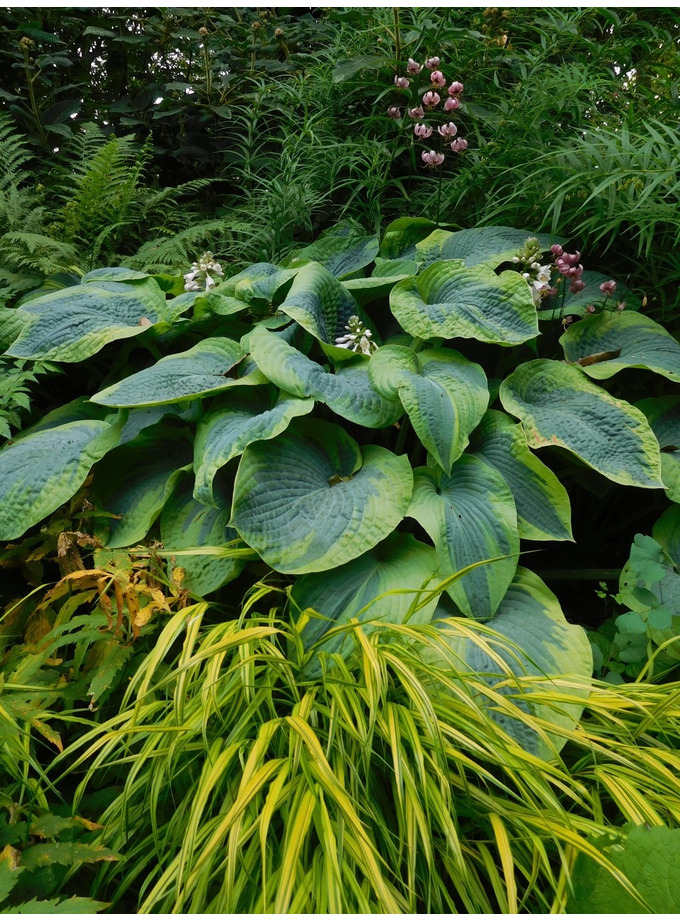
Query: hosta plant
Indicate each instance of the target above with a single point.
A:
(362, 419)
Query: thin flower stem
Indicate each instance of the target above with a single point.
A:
(439, 195)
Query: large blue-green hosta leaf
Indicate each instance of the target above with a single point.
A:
(402, 235)
(76, 322)
(444, 394)
(479, 245)
(566, 303)
(449, 300)
(200, 371)
(320, 303)
(663, 415)
(543, 510)
(470, 517)
(543, 644)
(187, 523)
(348, 391)
(607, 343)
(43, 470)
(382, 586)
(226, 431)
(312, 499)
(135, 480)
(342, 249)
(560, 407)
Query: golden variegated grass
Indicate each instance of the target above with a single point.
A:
(385, 785)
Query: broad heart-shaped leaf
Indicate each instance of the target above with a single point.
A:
(342, 249)
(348, 392)
(320, 304)
(444, 394)
(135, 480)
(663, 415)
(630, 340)
(449, 300)
(541, 644)
(45, 469)
(470, 517)
(543, 509)
(311, 499)
(139, 419)
(76, 322)
(559, 406)
(241, 418)
(12, 321)
(366, 290)
(200, 371)
(402, 235)
(398, 568)
(649, 857)
(564, 303)
(479, 245)
(187, 523)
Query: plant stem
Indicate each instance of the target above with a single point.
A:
(397, 35)
(439, 195)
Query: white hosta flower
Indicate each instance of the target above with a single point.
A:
(358, 338)
(200, 278)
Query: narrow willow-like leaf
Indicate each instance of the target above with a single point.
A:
(226, 431)
(76, 322)
(320, 304)
(311, 499)
(449, 300)
(542, 644)
(444, 394)
(398, 568)
(634, 340)
(187, 523)
(348, 392)
(470, 517)
(134, 481)
(199, 371)
(478, 245)
(543, 509)
(663, 415)
(43, 470)
(559, 406)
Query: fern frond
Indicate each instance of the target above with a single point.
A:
(14, 154)
(36, 252)
(227, 239)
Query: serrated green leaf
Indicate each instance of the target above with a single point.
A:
(67, 853)
(41, 471)
(543, 509)
(74, 323)
(348, 392)
(105, 662)
(74, 905)
(559, 406)
(135, 480)
(200, 371)
(449, 300)
(398, 568)
(470, 517)
(187, 523)
(311, 499)
(632, 340)
(543, 644)
(649, 857)
(444, 394)
(226, 431)
(10, 870)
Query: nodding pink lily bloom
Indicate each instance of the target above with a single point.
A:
(432, 63)
(437, 78)
(431, 99)
(418, 112)
(402, 82)
(459, 145)
(608, 287)
(451, 104)
(577, 286)
(456, 88)
(590, 308)
(413, 66)
(556, 250)
(571, 258)
(432, 159)
(394, 111)
(621, 306)
(422, 131)
(448, 130)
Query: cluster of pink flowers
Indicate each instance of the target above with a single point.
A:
(568, 265)
(426, 107)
